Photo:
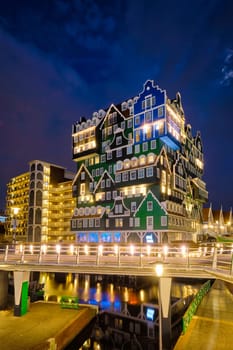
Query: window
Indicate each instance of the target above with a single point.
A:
(103, 158)
(108, 183)
(119, 165)
(137, 136)
(137, 222)
(141, 173)
(163, 220)
(149, 206)
(148, 116)
(149, 172)
(130, 123)
(109, 155)
(145, 146)
(149, 222)
(83, 175)
(119, 222)
(114, 194)
(98, 172)
(97, 222)
(133, 175)
(133, 207)
(119, 153)
(160, 112)
(82, 189)
(153, 144)
(137, 149)
(137, 120)
(125, 176)
(119, 140)
(123, 125)
(142, 160)
(102, 185)
(108, 196)
(118, 178)
(129, 149)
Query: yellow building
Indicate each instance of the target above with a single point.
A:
(39, 204)
(17, 208)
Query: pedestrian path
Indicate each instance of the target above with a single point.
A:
(212, 326)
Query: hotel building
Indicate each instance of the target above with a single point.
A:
(139, 172)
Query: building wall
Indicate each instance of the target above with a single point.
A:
(44, 199)
(141, 170)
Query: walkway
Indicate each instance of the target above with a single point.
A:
(45, 326)
(212, 326)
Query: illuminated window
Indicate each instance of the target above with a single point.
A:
(119, 222)
(153, 144)
(137, 136)
(142, 160)
(82, 189)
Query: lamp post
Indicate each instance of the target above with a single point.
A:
(164, 293)
(14, 223)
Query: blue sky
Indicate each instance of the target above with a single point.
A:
(60, 60)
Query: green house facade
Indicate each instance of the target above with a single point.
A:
(139, 172)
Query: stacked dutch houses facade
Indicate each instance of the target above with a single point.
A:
(139, 172)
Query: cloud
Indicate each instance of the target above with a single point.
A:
(227, 69)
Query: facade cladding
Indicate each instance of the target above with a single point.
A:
(139, 172)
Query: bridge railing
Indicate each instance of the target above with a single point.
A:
(213, 256)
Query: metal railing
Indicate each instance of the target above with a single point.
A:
(178, 260)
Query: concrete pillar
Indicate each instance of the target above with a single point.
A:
(3, 289)
(165, 312)
(21, 282)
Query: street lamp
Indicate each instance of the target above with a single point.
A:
(14, 223)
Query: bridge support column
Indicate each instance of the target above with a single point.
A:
(165, 313)
(21, 282)
(3, 289)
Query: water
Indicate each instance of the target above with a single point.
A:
(128, 308)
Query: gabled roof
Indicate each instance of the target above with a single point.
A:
(110, 111)
(164, 153)
(155, 198)
(101, 178)
(82, 167)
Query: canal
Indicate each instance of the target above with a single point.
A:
(128, 308)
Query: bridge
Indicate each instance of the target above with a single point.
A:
(213, 260)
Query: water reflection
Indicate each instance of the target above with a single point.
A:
(125, 305)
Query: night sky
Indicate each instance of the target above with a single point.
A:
(63, 59)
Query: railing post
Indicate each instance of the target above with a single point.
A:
(140, 256)
(6, 253)
(40, 255)
(188, 263)
(22, 256)
(77, 256)
(119, 256)
(214, 264)
(97, 256)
